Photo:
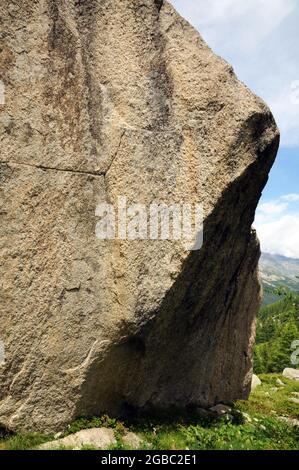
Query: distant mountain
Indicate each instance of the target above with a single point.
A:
(278, 271)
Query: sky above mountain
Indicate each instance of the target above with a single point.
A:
(260, 39)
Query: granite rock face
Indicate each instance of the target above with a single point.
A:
(109, 98)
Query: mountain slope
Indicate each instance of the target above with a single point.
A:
(278, 271)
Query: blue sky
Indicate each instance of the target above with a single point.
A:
(260, 38)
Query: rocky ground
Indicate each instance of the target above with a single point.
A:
(269, 420)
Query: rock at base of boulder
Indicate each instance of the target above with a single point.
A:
(101, 438)
(255, 382)
(292, 374)
(221, 410)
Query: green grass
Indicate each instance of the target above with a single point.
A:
(266, 402)
(24, 442)
(93, 422)
(256, 425)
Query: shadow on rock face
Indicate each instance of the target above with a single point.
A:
(197, 347)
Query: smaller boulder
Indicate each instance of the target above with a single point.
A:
(280, 383)
(221, 410)
(101, 438)
(292, 374)
(255, 382)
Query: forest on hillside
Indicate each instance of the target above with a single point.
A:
(277, 330)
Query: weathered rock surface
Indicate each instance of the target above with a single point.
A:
(100, 438)
(292, 374)
(108, 98)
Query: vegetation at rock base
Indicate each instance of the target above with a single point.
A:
(264, 422)
(277, 328)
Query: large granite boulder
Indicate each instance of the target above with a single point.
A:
(106, 100)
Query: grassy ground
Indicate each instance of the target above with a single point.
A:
(256, 424)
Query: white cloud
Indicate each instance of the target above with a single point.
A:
(260, 39)
(290, 197)
(274, 207)
(277, 224)
(285, 108)
(281, 236)
(236, 23)
(249, 20)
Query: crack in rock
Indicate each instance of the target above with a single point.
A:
(45, 168)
